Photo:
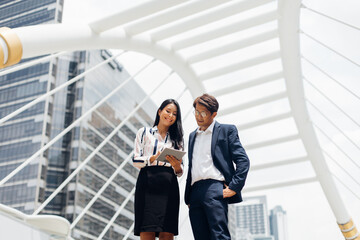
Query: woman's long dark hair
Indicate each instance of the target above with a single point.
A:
(175, 130)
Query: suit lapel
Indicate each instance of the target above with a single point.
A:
(214, 138)
(191, 146)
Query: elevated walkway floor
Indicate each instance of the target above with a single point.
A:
(17, 225)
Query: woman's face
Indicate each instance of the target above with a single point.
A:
(167, 116)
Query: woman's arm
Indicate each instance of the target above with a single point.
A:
(139, 160)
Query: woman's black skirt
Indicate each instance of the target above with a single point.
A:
(156, 201)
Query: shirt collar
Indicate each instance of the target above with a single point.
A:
(156, 130)
(153, 130)
(210, 129)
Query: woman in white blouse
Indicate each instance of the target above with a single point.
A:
(157, 196)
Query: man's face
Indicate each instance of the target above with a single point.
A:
(203, 117)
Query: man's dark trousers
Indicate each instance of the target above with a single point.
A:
(208, 211)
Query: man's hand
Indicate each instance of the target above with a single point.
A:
(227, 192)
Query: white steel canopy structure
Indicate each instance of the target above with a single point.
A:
(230, 49)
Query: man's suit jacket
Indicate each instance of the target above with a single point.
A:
(226, 149)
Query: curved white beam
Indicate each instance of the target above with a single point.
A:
(131, 14)
(279, 163)
(211, 16)
(280, 184)
(289, 42)
(264, 121)
(240, 65)
(51, 38)
(223, 49)
(224, 30)
(253, 103)
(247, 84)
(171, 15)
(273, 141)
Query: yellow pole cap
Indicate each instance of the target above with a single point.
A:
(14, 46)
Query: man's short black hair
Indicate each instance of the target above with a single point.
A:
(208, 101)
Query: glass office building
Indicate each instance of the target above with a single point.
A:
(14, 13)
(25, 134)
(91, 132)
(249, 219)
(278, 223)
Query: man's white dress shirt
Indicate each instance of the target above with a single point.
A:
(202, 163)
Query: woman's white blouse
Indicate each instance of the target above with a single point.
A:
(148, 142)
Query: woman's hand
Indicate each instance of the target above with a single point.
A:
(175, 163)
(154, 157)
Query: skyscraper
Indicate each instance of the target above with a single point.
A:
(92, 131)
(23, 135)
(30, 12)
(278, 223)
(249, 219)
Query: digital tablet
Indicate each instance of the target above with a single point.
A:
(178, 154)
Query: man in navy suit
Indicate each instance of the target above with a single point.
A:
(213, 181)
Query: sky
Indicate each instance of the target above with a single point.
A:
(309, 215)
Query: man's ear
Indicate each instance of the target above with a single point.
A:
(214, 114)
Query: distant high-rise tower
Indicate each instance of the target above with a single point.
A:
(249, 216)
(278, 223)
